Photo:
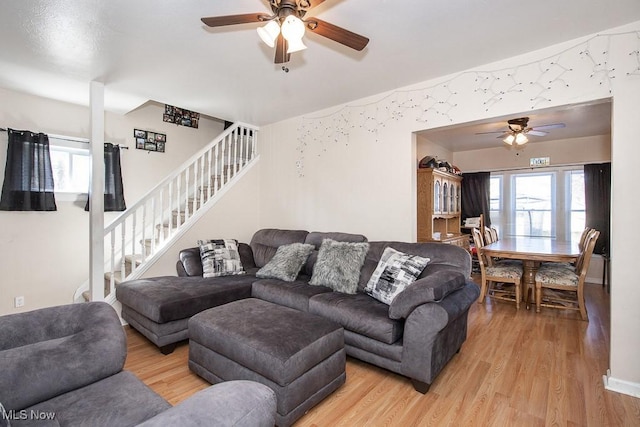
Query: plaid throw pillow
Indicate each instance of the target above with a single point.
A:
(395, 271)
(220, 257)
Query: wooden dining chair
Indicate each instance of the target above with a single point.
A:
(494, 234)
(565, 285)
(488, 236)
(494, 275)
(581, 246)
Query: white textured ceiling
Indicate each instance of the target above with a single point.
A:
(159, 50)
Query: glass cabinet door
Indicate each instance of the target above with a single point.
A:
(445, 197)
(452, 198)
(436, 196)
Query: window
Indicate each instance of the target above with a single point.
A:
(71, 164)
(533, 203)
(495, 202)
(576, 209)
(538, 204)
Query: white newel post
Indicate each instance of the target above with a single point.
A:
(96, 195)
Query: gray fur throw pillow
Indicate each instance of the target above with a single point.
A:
(338, 265)
(287, 262)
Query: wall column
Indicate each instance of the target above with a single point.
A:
(96, 193)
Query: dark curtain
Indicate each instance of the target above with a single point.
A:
(597, 200)
(113, 190)
(475, 195)
(28, 176)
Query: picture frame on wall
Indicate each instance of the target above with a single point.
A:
(180, 116)
(149, 140)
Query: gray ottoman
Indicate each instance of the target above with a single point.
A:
(299, 355)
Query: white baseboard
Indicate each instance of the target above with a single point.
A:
(621, 386)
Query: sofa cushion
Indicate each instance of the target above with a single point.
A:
(395, 271)
(358, 313)
(220, 258)
(338, 265)
(265, 242)
(119, 400)
(168, 298)
(432, 288)
(286, 263)
(294, 294)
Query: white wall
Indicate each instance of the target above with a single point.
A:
(44, 255)
(352, 167)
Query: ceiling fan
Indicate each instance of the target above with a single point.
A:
(285, 27)
(518, 131)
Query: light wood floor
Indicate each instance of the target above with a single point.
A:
(515, 369)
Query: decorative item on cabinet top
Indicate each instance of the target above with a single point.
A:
(432, 162)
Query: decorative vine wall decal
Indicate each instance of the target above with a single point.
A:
(539, 80)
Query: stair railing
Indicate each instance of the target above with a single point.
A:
(140, 232)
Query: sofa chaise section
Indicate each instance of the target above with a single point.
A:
(160, 307)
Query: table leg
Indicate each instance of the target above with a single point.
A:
(529, 268)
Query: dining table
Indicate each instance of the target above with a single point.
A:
(532, 251)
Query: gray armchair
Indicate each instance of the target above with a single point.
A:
(66, 363)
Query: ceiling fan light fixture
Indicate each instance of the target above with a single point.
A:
(521, 138)
(293, 29)
(509, 139)
(269, 33)
(295, 45)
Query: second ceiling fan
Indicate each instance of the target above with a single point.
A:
(518, 129)
(286, 25)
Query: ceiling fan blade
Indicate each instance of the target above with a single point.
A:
(338, 34)
(487, 133)
(221, 21)
(281, 50)
(537, 133)
(547, 127)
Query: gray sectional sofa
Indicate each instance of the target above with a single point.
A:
(63, 366)
(415, 336)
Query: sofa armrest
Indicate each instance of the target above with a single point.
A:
(434, 332)
(432, 288)
(231, 403)
(190, 263)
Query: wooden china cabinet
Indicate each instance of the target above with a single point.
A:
(439, 198)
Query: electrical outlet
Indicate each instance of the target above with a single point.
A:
(18, 301)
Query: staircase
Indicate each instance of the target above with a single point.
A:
(142, 233)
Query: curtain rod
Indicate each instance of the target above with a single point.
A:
(531, 168)
(73, 139)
